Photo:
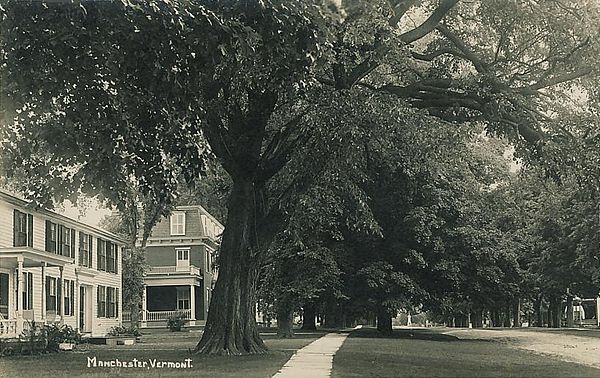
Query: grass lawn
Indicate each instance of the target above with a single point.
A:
(426, 353)
(162, 347)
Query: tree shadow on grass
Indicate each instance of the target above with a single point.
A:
(411, 334)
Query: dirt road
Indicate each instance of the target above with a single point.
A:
(570, 345)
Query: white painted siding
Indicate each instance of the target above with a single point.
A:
(100, 326)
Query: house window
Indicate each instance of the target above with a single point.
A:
(51, 237)
(111, 257)
(51, 293)
(108, 302)
(27, 291)
(178, 223)
(67, 241)
(101, 254)
(23, 229)
(101, 301)
(208, 261)
(85, 250)
(69, 290)
(183, 257)
(183, 298)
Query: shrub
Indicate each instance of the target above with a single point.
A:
(46, 338)
(176, 321)
(56, 334)
(124, 331)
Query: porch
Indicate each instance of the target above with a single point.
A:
(162, 302)
(18, 309)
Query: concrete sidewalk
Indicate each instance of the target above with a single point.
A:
(314, 360)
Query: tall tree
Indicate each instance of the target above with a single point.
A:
(101, 96)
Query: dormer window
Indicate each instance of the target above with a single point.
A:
(178, 223)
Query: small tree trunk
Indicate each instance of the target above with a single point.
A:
(308, 317)
(384, 321)
(539, 319)
(558, 312)
(570, 320)
(517, 313)
(507, 315)
(285, 323)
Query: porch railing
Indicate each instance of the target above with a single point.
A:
(8, 328)
(165, 315)
(174, 269)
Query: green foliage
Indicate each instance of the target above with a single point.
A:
(132, 330)
(175, 322)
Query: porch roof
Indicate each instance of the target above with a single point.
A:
(31, 257)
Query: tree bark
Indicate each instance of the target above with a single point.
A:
(516, 312)
(539, 319)
(384, 321)
(285, 323)
(308, 317)
(570, 320)
(507, 315)
(231, 325)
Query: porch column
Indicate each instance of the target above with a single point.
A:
(20, 295)
(44, 293)
(193, 305)
(144, 306)
(61, 308)
(75, 310)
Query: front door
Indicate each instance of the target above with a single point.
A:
(84, 310)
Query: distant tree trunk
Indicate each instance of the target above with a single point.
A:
(477, 318)
(332, 316)
(384, 321)
(507, 315)
(570, 320)
(495, 317)
(550, 312)
(516, 312)
(558, 312)
(285, 323)
(231, 325)
(539, 319)
(308, 317)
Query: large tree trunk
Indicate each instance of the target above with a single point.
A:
(231, 327)
(308, 317)
(285, 323)
(384, 321)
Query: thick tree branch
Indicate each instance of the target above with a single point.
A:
(428, 57)
(400, 10)
(558, 80)
(430, 24)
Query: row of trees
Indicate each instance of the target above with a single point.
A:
(350, 132)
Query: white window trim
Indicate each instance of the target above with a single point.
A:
(173, 216)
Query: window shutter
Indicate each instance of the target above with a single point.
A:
(30, 290)
(59, 287)
(48, 237)
(47, 293)
(98, 302)
(15, 227)
(116, 303)
(72, 243)
(72, 298)
(30, 230)
(59, 239)
(90, 247)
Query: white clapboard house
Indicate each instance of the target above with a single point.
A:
(54, 269)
